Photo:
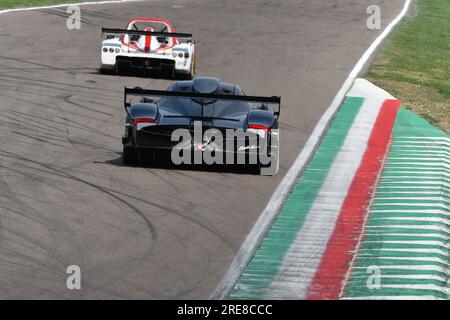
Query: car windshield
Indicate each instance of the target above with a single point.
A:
(154, 26)
(145, 25)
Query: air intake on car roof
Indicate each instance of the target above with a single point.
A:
(206, 84)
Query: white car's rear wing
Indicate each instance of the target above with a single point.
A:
(186, 36)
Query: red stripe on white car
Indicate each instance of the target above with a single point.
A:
(148, 41)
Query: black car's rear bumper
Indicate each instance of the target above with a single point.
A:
(161, 140)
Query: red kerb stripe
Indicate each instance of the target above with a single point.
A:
(335, 262)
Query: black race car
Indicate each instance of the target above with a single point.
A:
(202, 121)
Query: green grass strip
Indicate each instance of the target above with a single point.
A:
(414, 65)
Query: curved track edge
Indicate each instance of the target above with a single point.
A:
(277, 200)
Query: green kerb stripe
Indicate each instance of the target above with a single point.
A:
(268, 258)
(408, 231)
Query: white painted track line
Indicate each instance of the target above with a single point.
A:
(67, 4)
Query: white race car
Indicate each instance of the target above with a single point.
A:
(148, 46)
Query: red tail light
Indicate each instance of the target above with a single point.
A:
(258, 126)
(143, 120)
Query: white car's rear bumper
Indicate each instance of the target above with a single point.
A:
(143, 62)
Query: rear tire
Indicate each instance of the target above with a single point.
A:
(130, 155)
(148, 157)
(107, 71)
(119, 70)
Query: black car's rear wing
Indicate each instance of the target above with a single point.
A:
(110, 31)
(276, 100)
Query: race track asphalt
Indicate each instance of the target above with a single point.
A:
(163, 233)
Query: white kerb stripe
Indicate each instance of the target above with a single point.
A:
(321, 219)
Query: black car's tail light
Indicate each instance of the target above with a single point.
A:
(143, 120)
(258, 126)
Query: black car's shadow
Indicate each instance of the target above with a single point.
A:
(165, 164)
